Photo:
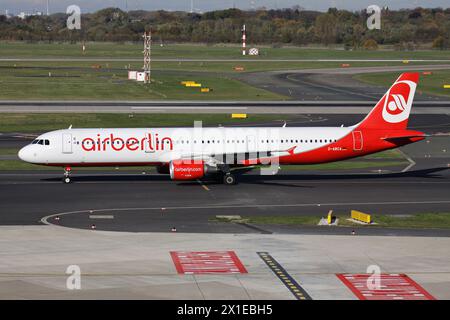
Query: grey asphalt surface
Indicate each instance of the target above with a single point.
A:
(332, 84)
(28, 196)
(154, 203)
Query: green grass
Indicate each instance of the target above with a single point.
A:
(432, 84)
(422, 220)
(85, 84)
(80, 81)
(21, 165)
(8, 151)
(284, 220)
(42, 122)
(197, 51)
(388, 154)
(77, 80)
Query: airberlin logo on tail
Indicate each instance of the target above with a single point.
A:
(398, 101)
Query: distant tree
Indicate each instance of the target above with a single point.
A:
(325, 28)
(370, 44)
(439, 43)
(402, 28)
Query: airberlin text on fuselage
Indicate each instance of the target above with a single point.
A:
(149, 142)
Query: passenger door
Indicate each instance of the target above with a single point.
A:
(67, 143)
(357, 140)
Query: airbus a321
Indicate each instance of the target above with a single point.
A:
(192, 153)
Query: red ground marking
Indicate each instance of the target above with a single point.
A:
(392, 287)
(207, 262)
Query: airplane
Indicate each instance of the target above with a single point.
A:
(192, 153)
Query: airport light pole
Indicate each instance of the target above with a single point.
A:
(147, 55)
(244, 52)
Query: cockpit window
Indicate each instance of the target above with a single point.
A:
(42, 142)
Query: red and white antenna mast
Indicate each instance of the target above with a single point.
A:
(147, 55)
(244, 52)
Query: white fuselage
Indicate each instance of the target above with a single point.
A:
(162, 145)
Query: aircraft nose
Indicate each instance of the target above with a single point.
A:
(25, 154)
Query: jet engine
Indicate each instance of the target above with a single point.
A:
(189, 169)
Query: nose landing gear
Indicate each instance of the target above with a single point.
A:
(67, 171)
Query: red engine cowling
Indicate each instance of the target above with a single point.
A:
(187, 169)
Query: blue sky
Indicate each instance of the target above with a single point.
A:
(16, 6)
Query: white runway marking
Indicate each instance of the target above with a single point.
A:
(45, 219)
(99, 216)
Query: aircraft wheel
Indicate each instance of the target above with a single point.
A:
(67, 180)
(229, 179)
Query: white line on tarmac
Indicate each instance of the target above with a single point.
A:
(99, 216)
(192, 108)
(412, 163)
(240, 206)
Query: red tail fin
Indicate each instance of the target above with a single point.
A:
(392, 111)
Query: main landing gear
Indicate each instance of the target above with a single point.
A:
(225, 173)
(67, 178)
(229, 179)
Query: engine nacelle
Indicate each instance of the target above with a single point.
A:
(187, 169)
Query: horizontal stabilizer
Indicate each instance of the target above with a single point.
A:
(403, 137)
